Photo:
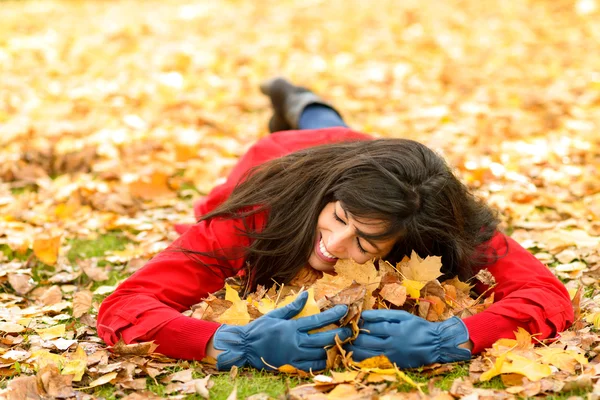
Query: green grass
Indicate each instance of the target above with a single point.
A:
(81, 249)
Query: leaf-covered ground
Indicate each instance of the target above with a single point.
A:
(116, 115)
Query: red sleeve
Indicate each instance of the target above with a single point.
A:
(148, 304)
(527, 295)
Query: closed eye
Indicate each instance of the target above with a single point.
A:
(360, 248)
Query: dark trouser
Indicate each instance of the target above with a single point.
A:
(316, 116)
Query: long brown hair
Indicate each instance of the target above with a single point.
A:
(396, 180)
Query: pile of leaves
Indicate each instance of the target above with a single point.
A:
(411, 285)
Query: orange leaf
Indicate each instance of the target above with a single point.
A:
(151, 187)
(46, 249)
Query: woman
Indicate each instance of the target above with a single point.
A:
(309, 194)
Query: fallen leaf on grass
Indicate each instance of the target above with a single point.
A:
(134, 349)
(21, 388)
(21, 283)
(46, 249)
(52, 332)
(103, 379)
(82, 301)
(55, 384)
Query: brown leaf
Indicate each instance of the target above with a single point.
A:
(23, 388)
(134, 349)
(91, 269)
(82, 301)
(484, 276)
(21, 283)
(51, 296)
(54, 384)
(395, 293)
(306, 277)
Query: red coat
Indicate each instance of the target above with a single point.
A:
(148, 305)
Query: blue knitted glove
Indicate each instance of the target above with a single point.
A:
(408, 340)
(280, 340)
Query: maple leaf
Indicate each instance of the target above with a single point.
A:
(418, 269)
(365, 274)
(330, 285)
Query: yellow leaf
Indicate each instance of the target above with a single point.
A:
(566, 360)
(346, 376)
(523, 339)
(423, 270)
(46, 249)
(51, 333)
(457, 283)
(495, 370)
(231, 294)
(44, 357)
(330, 285)
(533, 370)
(413, 288)
(379, 361)
(76, 364)
(310, 308)
(594, 319)
(103, 379)
(265, 305)
(237, 314)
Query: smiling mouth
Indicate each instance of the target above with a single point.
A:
(323, 253)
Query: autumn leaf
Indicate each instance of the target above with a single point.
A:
(365, 274)
(566, 360)
(137, 349)
(394, 293)
(418, 269)
(51, 332)
(46, 249)
(237, 314)
(413, 288)
(82, 301)
(76, 364)
(152, 186)
(310, 308)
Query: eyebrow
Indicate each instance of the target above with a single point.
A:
(361, 233)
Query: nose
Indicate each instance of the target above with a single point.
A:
(337, 243)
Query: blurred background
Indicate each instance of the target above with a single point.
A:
(121, 106)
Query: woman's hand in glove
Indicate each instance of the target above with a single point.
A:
(280, 340)
(409, 341)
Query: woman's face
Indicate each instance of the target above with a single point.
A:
(339, 235)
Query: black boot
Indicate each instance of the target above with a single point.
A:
(288, 103)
